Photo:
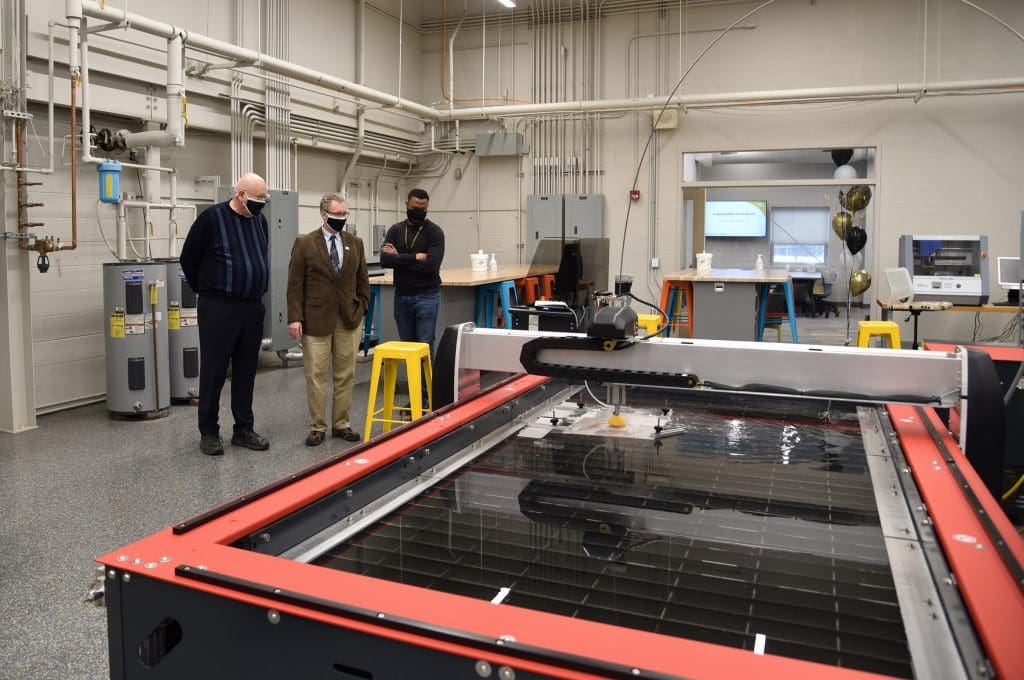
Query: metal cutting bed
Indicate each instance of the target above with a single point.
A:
(760, 523)
(721, 533)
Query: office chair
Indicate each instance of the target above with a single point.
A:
(822, 289)
(569, 278)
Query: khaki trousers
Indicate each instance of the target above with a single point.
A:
(338, 349)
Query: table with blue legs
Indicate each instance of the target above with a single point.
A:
(723, 297)
(460, 288)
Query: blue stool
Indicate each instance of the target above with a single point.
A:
(506, 290)
(762, 308)
(371, 320)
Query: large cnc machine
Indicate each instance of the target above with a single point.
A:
(752, 511)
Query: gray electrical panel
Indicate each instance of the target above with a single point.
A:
(584, 215)
(562, 216)
(376, 241)
(501, 144)
(182, 335)
(282, 213)
(543, 220)
(135, 325)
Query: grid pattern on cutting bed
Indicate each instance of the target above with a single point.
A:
(758, 522)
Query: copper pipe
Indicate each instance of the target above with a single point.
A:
(19, 142)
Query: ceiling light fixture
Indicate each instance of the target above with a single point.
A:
(508, 3)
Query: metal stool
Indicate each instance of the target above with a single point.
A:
(672, 293)
(416, 357)
(530, 286)
(547, 287)
(371, 320)
(887, 329)
(506, 291)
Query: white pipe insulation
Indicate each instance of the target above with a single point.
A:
(174, 134)
(76, 9)
(755, 97)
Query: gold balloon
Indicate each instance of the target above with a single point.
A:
(857, 198)
(840, 223)
(860, 281)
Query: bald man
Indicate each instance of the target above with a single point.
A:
(225, 261)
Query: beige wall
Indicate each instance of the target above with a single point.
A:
(945, 164)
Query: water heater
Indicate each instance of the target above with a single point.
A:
(182, 335)
(135, 324)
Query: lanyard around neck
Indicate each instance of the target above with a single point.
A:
(409, 246)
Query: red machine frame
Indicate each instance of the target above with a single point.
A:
(176, 555)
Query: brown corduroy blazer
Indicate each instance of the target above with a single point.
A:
(316, 295)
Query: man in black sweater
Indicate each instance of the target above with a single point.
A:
(414, 248)
(225, 260)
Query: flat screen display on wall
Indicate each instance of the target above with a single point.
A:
(747, 219)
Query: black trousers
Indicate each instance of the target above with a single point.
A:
(230, 330)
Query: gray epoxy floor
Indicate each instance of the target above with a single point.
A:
(81, 485)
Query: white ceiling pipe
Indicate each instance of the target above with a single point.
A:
(891, 90)
(174, 134)
(235, 53)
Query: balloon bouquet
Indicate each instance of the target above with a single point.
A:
(851, 204)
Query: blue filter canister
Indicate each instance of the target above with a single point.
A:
(110, 181)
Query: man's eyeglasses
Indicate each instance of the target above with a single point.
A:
(260, 199)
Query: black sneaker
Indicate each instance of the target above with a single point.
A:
(250, 440)
(211, 445)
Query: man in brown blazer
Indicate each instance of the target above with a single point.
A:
(328, 293)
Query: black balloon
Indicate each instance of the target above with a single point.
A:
(856, 237)
(841, 156)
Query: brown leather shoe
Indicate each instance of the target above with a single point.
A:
(347, 433)
(315, 438)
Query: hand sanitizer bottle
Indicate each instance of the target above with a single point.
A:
(493, 263)
(759, 264)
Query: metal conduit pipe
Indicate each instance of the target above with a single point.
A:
(451, 73)
(48, 170)
(760, 97)
(360, 140)
(226, 50)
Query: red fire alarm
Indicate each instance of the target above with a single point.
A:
(634, 194)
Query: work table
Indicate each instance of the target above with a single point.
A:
(465, 276)
(730, 276)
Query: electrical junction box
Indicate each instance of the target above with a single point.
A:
(501, 144)
(282, 213)
(669, 119)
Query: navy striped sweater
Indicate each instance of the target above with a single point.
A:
(225, 254)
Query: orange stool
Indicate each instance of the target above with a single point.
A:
(530, 287)
(547, 287)
(670, 299)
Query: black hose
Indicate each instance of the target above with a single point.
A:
(665, 327)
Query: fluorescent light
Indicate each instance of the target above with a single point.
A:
(508, 3)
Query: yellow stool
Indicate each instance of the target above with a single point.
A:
(416, 357)
(888, 329)
(651, 323)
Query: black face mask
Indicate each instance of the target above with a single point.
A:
(336, 223)
(254, 207)
(416, 215)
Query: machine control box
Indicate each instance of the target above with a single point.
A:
(944, 267)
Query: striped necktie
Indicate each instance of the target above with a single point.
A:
(334, 255)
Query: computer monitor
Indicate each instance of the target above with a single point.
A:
(1010, 274)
